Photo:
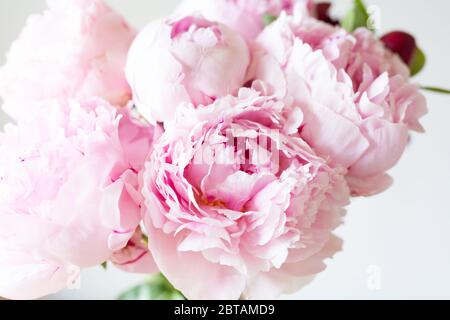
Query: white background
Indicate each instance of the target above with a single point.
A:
(402, 237)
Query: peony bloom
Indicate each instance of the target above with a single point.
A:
(232, 198)
(69, 194)
(190, 60)
(244, 16)
(355, 95)
(75, 49)
(349, 51)
(370, 52)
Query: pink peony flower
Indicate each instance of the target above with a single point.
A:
(232, 198)
(75, 49)
(349, 51)
(243, 16)
(356, 98)
(371, 52)
(190, 60)
(69, 194)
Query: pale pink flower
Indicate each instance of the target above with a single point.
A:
(190, 60)
(349, 51)
(370, 52)
(74, 49)
(243, 16)
(356, 97)
(233, 199)
(69, 193)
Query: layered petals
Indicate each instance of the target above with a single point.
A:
(243, 16)
(75, 49)
(232, 198)
(187, 60)
(356, 98)
(69, 195)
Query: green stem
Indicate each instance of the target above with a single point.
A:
(436, 90)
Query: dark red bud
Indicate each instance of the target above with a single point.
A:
(322, 11)
(401, 43)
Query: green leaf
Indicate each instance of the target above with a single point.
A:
(156, 288)
(268, 19)
(436, 90)
(357, 17)
(418, 62)
(105, 265)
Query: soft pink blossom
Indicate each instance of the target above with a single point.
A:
(370, 52)
(243, 16)
(190, 60)
(356, 97)
(234, 199)
(69, 193)
(74, 49)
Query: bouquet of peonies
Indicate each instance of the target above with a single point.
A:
(218, 147)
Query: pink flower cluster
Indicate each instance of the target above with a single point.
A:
(212, 148)
(356, 100)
